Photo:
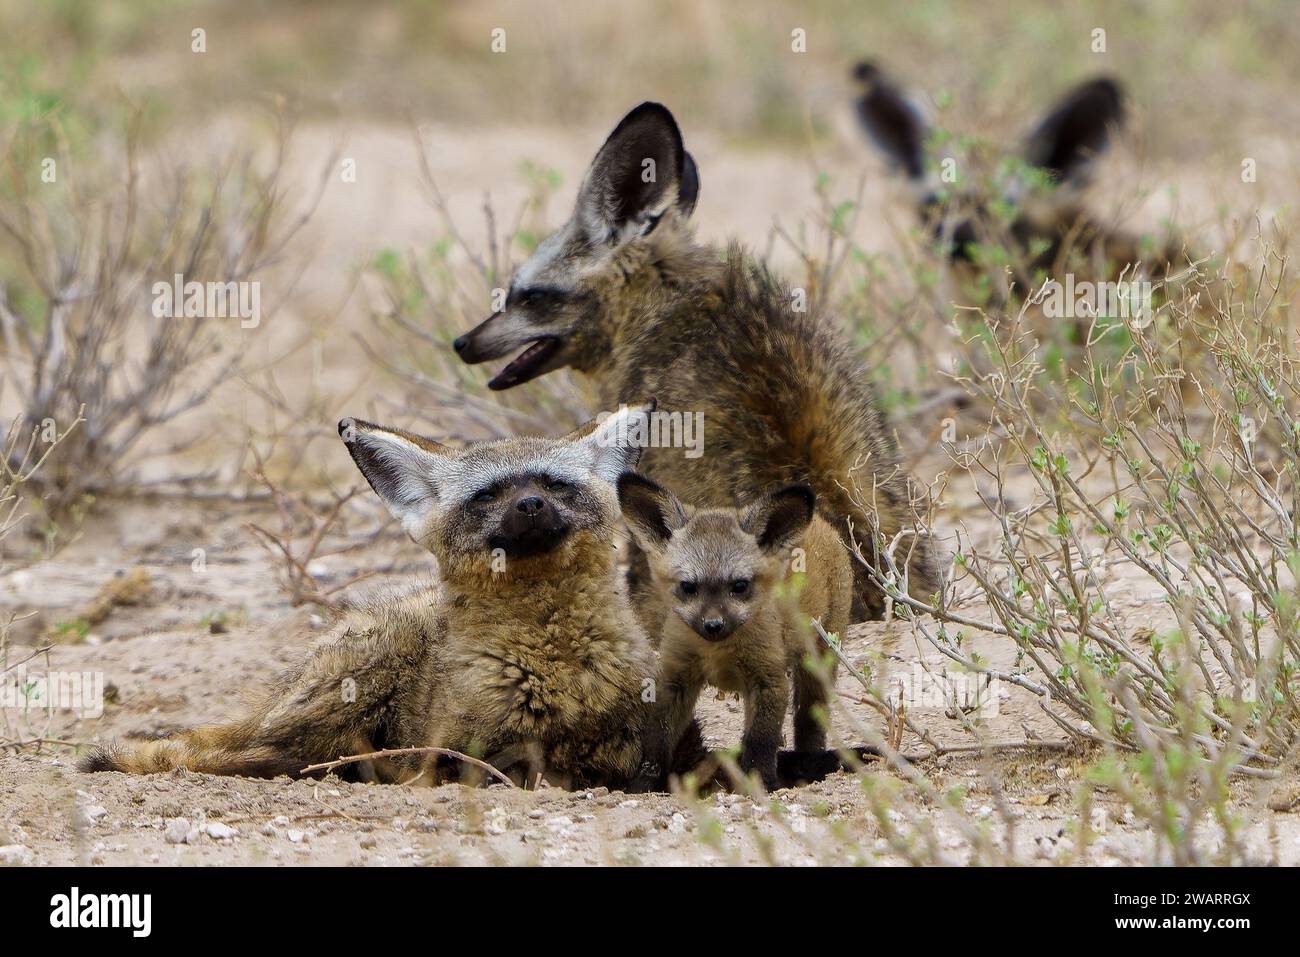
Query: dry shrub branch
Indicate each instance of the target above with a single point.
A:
(423, 299)
(1146, 477)
(80, 255)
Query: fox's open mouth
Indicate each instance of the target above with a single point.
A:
(527, 365)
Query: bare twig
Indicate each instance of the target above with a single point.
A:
(394, 752)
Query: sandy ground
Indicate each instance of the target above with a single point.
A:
(164, 667)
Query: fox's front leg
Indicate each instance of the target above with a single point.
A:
(765, 704)
(811, 691)
(670, 713)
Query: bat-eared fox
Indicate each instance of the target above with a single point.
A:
(623, 294)
(741, 586)
(1035, 206)
(527, 651)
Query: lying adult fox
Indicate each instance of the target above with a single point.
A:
(527, 643)
(623, 294)
(526, 654)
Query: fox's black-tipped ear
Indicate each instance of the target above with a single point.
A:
(778, 519)
(651, 511)
(894, 123)
(688, 192)
(404, 469)
(638, 174)
(1077, 130)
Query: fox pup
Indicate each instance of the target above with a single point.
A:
(625, 296)
(527, 654)
(739, 618)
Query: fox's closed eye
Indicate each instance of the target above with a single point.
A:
(541, 296)
(557, 485)
(687, 588)
(485, 495)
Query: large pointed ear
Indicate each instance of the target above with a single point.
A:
(615, 441)
(651, 511)
(688, 191)
(779, 518)
(894, 123)
(405, 470)
(638, 175)
(1077, 130)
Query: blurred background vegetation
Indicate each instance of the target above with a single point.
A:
(1197, 68)
(511, 132)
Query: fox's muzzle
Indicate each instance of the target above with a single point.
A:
(474, 347)
(531, 525)
(713, 627)
(500, 334)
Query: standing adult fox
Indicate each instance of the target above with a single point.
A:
(623, 294)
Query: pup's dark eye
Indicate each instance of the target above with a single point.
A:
(487, 495)
(687, 588)
(557, 485)
(740, 586)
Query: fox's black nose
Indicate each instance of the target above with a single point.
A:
(530, 505)
(460, 343)
(713, 626)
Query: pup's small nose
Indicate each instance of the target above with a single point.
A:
(530, 505)
(713, 625)
(460, 343)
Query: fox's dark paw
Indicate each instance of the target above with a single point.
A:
(765, 764)
(805, 767)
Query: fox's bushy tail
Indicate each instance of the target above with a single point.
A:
(353, 694)
(212, 749)
(821, 423)
(869, 516)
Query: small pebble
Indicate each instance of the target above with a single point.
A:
(177, 830)
(15, 855)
